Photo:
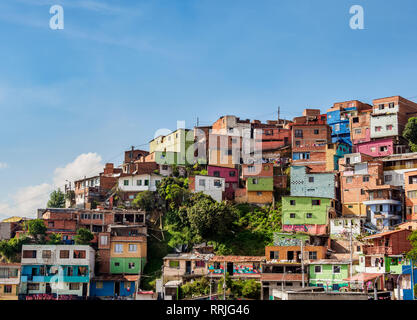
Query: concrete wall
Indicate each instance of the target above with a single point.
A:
(322, 186)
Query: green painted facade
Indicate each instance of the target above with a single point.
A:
(301, 207)
(263, 184)
(170, 158)
(121, 265)
(327, 278)
(394, 265)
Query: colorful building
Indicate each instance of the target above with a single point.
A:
(307, 214)
(55, 271)
(310, 136)
(211, 186)
(241, 267)
(410, 192)
(231, 179)
(334, 152)
(338, 119)
(107, 287)
(305, 183)
(395, 167)
(330, 274)
(9, 281)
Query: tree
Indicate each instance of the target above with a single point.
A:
(57, 199)
(412, 254)
(209, 219)
(11, 249)
(55, 238)
(84, 236)
(410, 133)
(145, 200)
(36, 228)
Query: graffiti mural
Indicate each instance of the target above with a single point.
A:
(237, 269)
(307, 228)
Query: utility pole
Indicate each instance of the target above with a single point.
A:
(85, 189)
(351, 254)
(198, 122)
(278, 113)
(302, 261)
(224, 280)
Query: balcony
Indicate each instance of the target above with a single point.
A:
(53, 278)
(377, 250)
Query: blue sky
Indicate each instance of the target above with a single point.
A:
(120, 70)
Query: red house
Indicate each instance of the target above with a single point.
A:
(230, 176)
(391, 242)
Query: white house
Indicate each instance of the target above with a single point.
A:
(139, 182)
(211, 186)
(341, 227)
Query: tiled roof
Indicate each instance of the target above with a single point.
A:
(382, 234)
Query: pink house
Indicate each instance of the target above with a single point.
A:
(377, 148)
(230, 176)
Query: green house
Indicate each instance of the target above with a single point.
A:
(128, 265)
(260, 184)
(329, 274)
(306, 210)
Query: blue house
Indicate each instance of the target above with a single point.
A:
(108, 287)
(338, 120)
(408, 281)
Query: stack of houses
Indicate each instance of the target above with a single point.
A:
(346, 179)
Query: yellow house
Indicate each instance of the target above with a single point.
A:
(127, 254)
(9, 281)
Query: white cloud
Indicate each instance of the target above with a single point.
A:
(3, 165)
(86, 164)
(26, 201)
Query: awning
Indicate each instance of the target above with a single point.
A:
(363, 277)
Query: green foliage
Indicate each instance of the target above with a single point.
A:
(57, 199)
(55, 238)
(145, 200)
(250, 289)
(84, 236)
(36, 228)
(10, 249)
(174, 191)
(199, 287)
(410, 133)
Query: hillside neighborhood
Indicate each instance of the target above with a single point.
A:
(323, 206)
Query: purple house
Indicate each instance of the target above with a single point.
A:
(231, 179)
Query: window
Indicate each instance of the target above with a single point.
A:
(381, 106)
(138, 182)
(355, 120)
(389, 127)
(412, 194)
(118, 248)
(373, 149)
(29, 254)
(46, 254)
(70, 271)
(217, 183)
(292, 215)
(117, 264)
(33, 286)
(336, 269)
(336, 127)
(292, 202)
(131, 265)
(202, 182)
(317, 269)
(64, 254)
(216, 173)
(232, 173)
(125, 182)
(391, 105)
(216, 265)
(309, 215)
(315, 202)
(409, 164)
(365, 179)
(312, 255)
(358, 131)
(259, 193)
(317, 131)
(388, 178)
(146, 182)
(200, 264)
(383, 148)
(133, 247)
(378, 129)
(174, 264)
(349, 179)
(50, 224)
(297, 143)
(103, 240)
(74, 286)
(99, 285)
(251, 169)
(255, 181)
(79, 254)
(82, 271)
(298, 133)
(408, 210)
(7, 289)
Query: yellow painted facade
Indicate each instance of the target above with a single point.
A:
(354, 208)
(125, 253)
(13, 295)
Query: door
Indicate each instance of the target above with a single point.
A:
(116, 288)
(188, 267)
(230, 268)
(48, 288)
(85, 290)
